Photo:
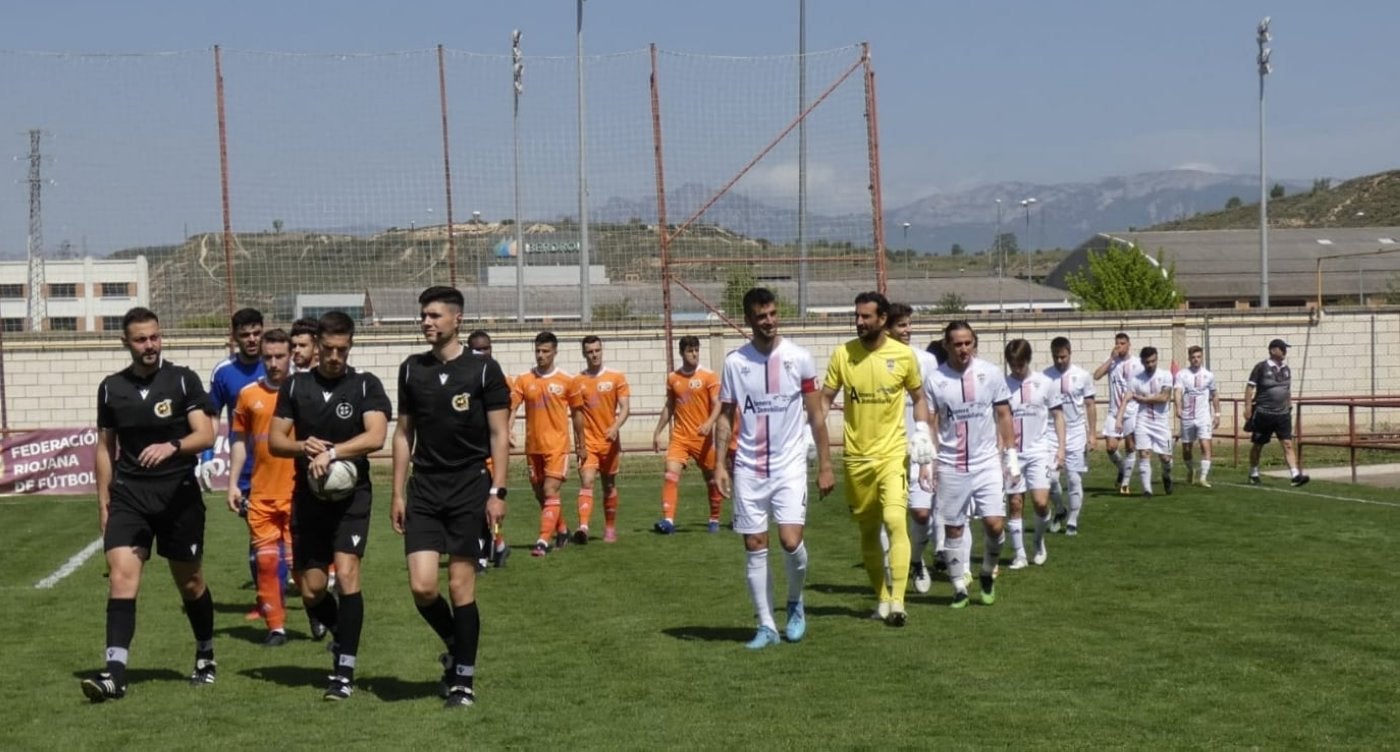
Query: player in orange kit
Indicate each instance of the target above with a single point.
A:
(270, 493)
(601, 402)
(692, 407)
(544, 390)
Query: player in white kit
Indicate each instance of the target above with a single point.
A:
(766, 386)
(970, 414)
(1035, 407)
(1120, 368)
(1151, 389)
(900, 326)
(1198, 409)
(1077, 403)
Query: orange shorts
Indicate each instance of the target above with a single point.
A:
(547, 466)
(269, 521)
(701, 449)
(605, 458)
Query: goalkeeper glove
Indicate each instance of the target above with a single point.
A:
(921, 449)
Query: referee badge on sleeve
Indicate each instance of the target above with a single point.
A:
(461, 402)
(163, 409)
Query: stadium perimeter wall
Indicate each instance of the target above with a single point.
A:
(52, 382)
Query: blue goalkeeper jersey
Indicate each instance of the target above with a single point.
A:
(227, 380)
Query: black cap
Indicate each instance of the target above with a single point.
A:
(1279, 344)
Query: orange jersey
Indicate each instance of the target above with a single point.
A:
(546, 399)
(597, 397)
(252, 416)
(692, 396)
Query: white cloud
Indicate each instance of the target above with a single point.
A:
(829, 189)
(1199, 167)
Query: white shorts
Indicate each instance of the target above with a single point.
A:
(1153, 436)
(1196, 430)
(781, 497)
(961, 494)
(1035, 474)
(918, 497)
(1129, 426)
(1075, 460)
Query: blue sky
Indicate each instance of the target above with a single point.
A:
(969, 93)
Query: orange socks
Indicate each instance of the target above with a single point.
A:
(549, 517)
(270, 587)
(670, 491)
(585, 506)
(716, 501)
(610, 508)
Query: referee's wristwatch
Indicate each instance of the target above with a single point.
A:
(499, 493)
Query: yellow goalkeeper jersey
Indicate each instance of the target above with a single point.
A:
(872, 386)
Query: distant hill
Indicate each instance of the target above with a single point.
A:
(1065, 214)
(1367, 201)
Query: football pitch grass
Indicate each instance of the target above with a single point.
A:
(1237, 617)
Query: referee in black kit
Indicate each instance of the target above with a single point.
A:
(324, 415)
(454, 413)
(153, 420)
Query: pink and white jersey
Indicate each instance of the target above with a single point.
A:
(766, 391)
(1031, 403)
(1149, 384)
(927, 364)
(967, 426)
(1197, 387)
(1120, 380)
(1075, 386)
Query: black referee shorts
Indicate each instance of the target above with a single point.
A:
(166, 511)
(447, 511)
(1268, 425)
(321, 528)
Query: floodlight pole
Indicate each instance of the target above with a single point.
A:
(1026, 204)
(585, 289)
(1264, 37)
(802, 159)
(1001, 261)
(519, 86)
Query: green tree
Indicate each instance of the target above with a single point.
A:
(277, 226)
(1277, 191)
(1123, 278)
(1392, 290)
(1007, 243)
(619, 311)
(740, 280)
(1234, 203)
(956, 250)
(951, 303)
(1321, 185)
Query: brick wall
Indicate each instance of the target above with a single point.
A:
(54, 384)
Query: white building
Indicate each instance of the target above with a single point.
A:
(81, 295)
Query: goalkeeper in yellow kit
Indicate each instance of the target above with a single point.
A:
(873, 373)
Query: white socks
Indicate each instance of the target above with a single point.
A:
(1076, 497)
(761, 587)
(1015, 529)
(796, 571)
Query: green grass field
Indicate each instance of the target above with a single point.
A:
(1231, 618)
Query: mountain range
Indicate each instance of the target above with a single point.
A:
(1062, 216)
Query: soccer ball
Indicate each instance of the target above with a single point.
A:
(338, 482)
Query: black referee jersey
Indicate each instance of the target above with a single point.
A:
(147, 411)
(332, 410)
(448, 403)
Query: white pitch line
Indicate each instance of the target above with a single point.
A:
(70, 566)
(1312, 494)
